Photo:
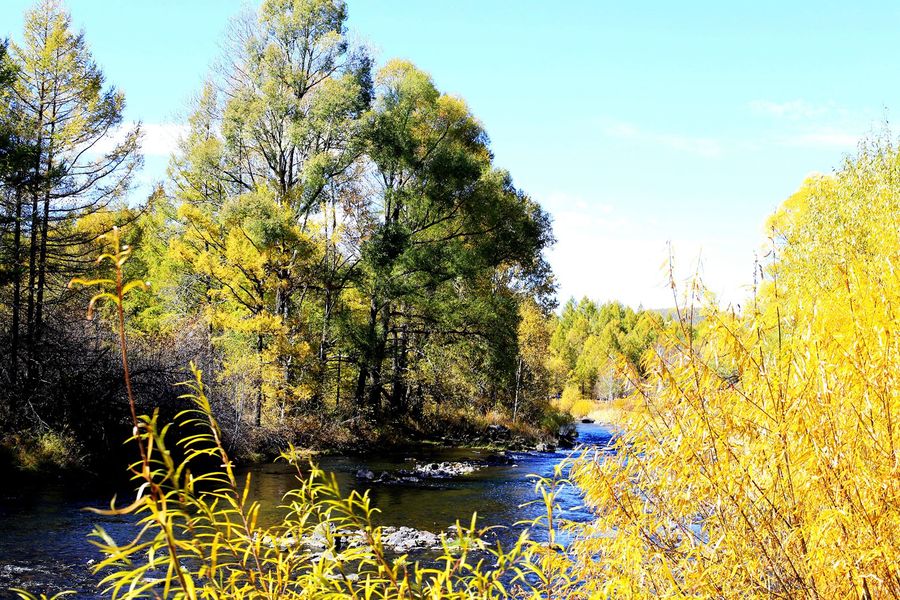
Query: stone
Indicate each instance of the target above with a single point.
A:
(365, 474)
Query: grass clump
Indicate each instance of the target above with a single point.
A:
(40, 451)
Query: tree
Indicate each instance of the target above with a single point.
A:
(16, 156)
(447, 232)
(590, 344)
(67, 118)
(264, 161)
(532, 375)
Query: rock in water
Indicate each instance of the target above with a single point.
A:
(567, 435)
(445, 470)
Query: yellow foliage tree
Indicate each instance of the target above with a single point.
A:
(238, 251)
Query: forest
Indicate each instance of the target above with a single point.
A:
(332, 244)
(334, 262)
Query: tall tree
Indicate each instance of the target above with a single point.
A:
(16, 157)
(278, 136)
(446, 226)
(68, 116)
(9, 208)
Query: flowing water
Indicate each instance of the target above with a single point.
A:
(43, 529)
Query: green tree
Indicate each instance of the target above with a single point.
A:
(16, 158)
(590, 341)
(448, 237)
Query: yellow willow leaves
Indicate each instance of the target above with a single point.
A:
(764, 462)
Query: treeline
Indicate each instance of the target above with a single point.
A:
(332, 242)
(596, 352)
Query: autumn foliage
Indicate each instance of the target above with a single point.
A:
(342, 245)
(764, 462)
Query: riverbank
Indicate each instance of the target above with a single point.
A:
(36, 455)
(614, 413)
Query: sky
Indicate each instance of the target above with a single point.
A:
(639, 126)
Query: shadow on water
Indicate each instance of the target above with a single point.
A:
(43, 528)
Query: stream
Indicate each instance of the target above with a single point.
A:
(43, 529)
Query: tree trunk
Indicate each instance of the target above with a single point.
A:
(399, 386)
(32, 278)
(518, 385)
(378, 356)
(45, 229)
(42, 265)
(33, 245)
(259, 390)
(322, 372)
(337, 394)
(17, 290)
(366, 358)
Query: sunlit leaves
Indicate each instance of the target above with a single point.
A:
(763, 463)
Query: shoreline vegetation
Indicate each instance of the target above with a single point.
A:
(332, 244)
(334, 251)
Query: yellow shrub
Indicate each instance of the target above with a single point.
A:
(571, 394)
(765, 463)
(582, 408)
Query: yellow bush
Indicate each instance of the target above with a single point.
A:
(571, 394)
(765, 461)
(582, 408)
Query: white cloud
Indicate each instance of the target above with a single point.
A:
(161, 139)
(701, 146)
(823, 139)
(606, 255)
(157, 139)
(802, 124)
(564, 202)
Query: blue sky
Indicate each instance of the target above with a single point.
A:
(634, 124)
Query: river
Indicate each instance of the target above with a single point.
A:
(43, 529)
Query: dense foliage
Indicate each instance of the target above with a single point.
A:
(765, 461)
(198, 536)
(333, 242)
(595, 351)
